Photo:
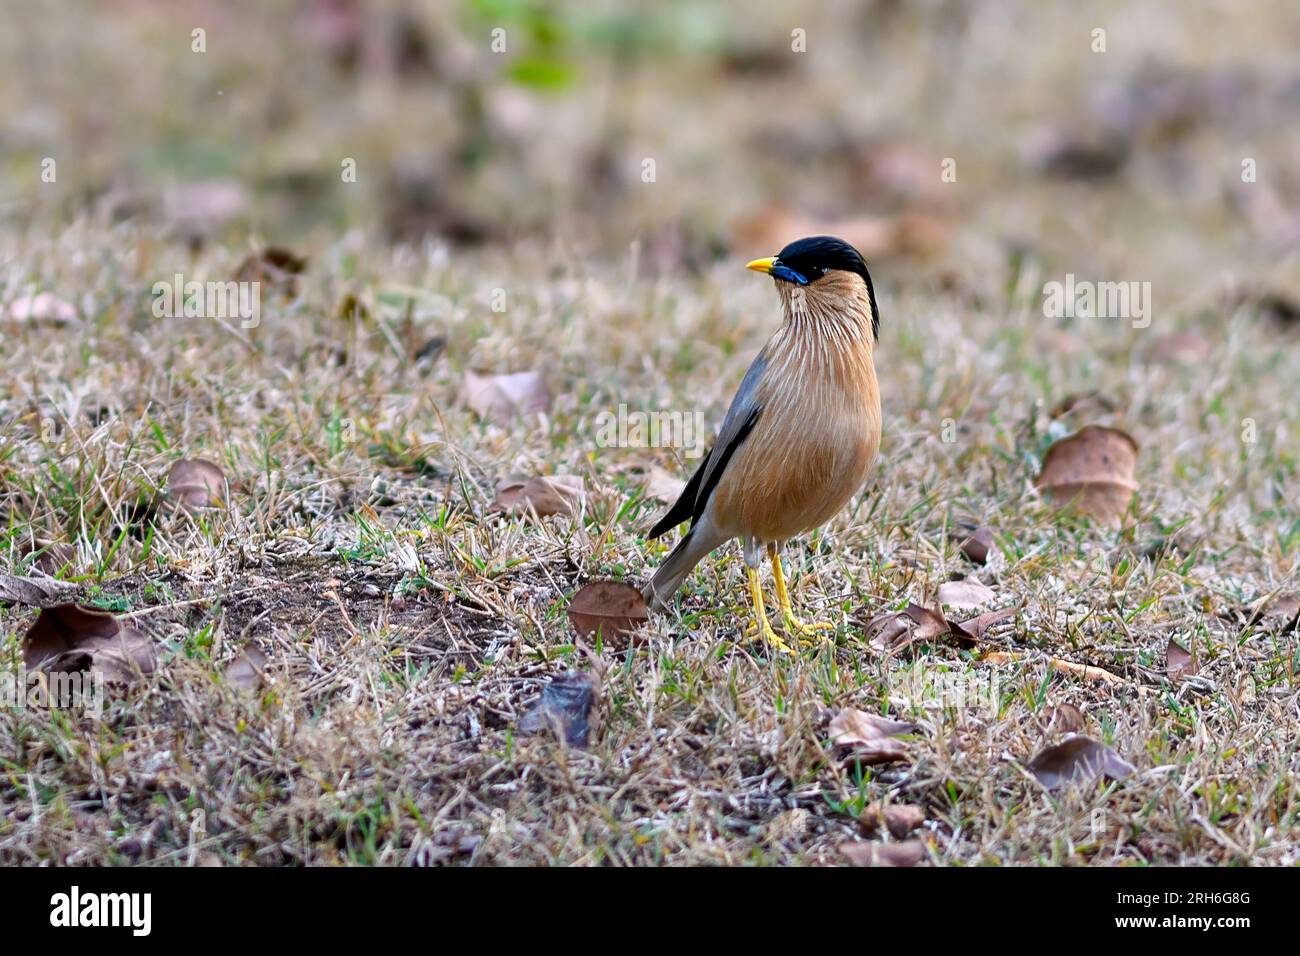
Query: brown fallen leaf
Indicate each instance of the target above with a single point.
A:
(972, 632)
(41, 307)
(36, 591)
(1279, 613)
(864, 853)
(1092, 470)
(967, 594)
(1179, 662)
(978, 545)
(1067, 719)
(502, 398)
(544, 495)
(610, 609)
(71, 637)
(275, 267)
(896, 630)
(899, 819)
(1077, 760)
(564, 708)
(248, 670)
(51, 558)
(196, 483)
(867, 737)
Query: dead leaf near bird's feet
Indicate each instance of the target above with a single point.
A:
(607, 610)
(895, 631)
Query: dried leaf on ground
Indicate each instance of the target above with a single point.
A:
(1067, 719)
(51, 558)
(502, 398)
(36, 591)
(1278, 613)
(972, 631)
(867, 737)
(1077, 760)
(864, 853)
(248, 670)
(978, 545)
(1093, 471)
(1179, 662)
(611, 609)
(899, 819)
(545, 495)
(896, 630)
(72, 637)
(196, 483)
(564, 708)
(967, 594)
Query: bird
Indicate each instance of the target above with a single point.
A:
(799, 438)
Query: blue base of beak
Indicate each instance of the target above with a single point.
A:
(788, 274)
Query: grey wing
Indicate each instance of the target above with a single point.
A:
(742, 414)
(740, 418)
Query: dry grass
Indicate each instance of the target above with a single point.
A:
(408, 627)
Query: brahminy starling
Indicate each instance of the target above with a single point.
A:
(801, 433)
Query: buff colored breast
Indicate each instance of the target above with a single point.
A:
(812, 448)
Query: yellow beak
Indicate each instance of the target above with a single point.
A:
(761, 265)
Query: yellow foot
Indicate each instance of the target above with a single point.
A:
(759, 626)
(755, 631)
(792, 624)
(807, 631)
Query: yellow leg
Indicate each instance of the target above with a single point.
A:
(760, 627)
(792, 623)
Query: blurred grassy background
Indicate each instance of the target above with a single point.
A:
(1124, 164)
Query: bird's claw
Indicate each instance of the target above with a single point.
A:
(806, 632)
(764, 631)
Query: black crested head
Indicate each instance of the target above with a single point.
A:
(813, 256)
